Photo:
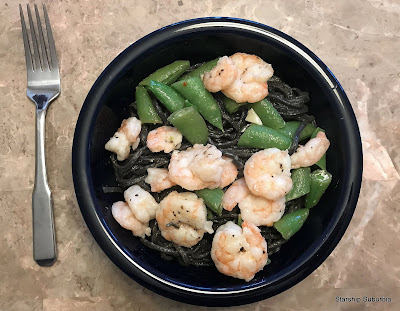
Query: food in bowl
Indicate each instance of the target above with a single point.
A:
(211, 167)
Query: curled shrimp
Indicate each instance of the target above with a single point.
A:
(158, 179)
(125, 138)
(238, 252)
(267, 173)
(241, 77)
(201, 167)
(164, 138)
(142, 204)
(221, 76)
(260, 211)
(124, 216)
(311, 152)
(235, 193)
(182, 218)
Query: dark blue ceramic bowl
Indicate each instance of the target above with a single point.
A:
(198, 41)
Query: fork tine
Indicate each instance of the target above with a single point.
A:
(52, 45)
(43, 49)
(28, 55)
(36, 56)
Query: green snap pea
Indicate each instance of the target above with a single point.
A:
(145, 109)
(321, 162)
(170, 98)
(259, 136)
(290, 223)
(290, 128)
(187, 104)
(230, 105)
(320, 180)
(209, 214)
(191, 124)
(269, 116)
(212, 199)
(201, 70)
(240, 220)
(301, 183)
(194, 91)
(167, 74)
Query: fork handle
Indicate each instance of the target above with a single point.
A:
(44, 242)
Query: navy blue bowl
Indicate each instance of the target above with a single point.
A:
(201, 40)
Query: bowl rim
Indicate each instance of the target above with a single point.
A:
(86, 197)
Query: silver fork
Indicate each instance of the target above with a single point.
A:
(43, 87)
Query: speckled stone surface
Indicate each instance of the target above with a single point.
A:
(360, 42)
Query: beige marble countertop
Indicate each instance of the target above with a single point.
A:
(360, 42)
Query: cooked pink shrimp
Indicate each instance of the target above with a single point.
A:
(238, 252)
(260, 211)
(158, 179)
(241, 77)
(267, 173)
(229, 172)
(182, 218)
(124, 216)
(311, 152)
(125, 138)
(142, 204)
(235, 193)
(221, 76)
(200, 167)
(164, 138)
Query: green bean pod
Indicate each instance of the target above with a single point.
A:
(320, 180)
(269, 116)
(290, 128)
(259, 136)
(200, 70)
(144, 105)
(167, 74)
(193, 90)
(212, 198)
(301, 183)
(191, 124)
(321, 162)
(170, 98)
(230, 105)
(290, 223)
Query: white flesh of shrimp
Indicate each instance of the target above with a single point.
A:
(182, 218)
(124, 216)
(125, 138)
(239, 252)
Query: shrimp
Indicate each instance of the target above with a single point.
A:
(158, 179)
(124, 216)
(267, 173)
(182, 218)
(141, 203)
(241, 77)
(125, 138)
(235, 194)
(221, 76)
(229, 172)
(238, 252)
(200, 167)
(164, 138)
(311, 152)
(260, 211)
